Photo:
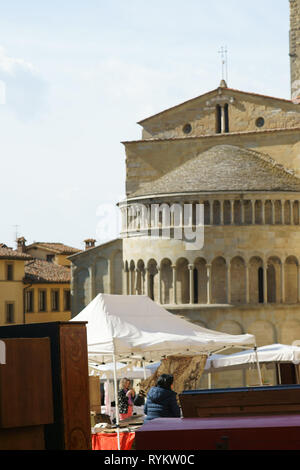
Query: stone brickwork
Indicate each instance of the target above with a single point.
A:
(243, 108)
(295, 47)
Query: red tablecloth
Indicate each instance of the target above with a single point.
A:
(109, 441)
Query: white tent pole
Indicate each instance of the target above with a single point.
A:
(144, 367)
(258, 366)
(116, 401)
(209, 380)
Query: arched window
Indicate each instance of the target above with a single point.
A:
(226, 117)
(218, 119)
(260, 285)
(151, 286)
(195, 278)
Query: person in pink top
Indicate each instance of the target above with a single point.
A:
(126, 397)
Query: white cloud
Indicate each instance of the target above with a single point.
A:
(25, 88)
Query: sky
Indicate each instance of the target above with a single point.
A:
(77, 75)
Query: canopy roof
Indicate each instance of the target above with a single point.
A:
(106, 371)
(272, 353)
(136, 327)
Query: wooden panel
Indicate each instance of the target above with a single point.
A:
(75, 387)
(55, 434)
(95, 395)
(25, 383)
(239, 433)
(31, 438)
(244, 402)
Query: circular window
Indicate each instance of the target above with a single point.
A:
(260, 122)
(187, 129)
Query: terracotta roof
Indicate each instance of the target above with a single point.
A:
(10, 253)
(224, 168)
(211, 92)
(58, 248)
(40, 271)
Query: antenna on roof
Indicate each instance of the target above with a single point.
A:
(16, 231)
(224, 58)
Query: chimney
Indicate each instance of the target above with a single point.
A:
(89, 243)
(21, 244)
(295, 48)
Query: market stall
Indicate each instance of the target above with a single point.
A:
(129, 328)
(269, 355)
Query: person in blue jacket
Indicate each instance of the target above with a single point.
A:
(161, 400)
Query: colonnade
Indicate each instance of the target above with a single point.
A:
(250, 211)
(231, 281)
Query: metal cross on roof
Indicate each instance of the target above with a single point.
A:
(223, 51)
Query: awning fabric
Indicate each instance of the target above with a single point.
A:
(135, 326)
(272, 353)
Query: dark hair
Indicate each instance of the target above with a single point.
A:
(165, 381)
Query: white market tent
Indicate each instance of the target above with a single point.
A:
(135, 327)
(128, 327)
(106, 371)
(267, 355)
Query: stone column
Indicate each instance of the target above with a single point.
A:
(211, 212)
(92, 282)
(232, 212)
(136, 287)
(208, 270)
(130, 281)
(253, 211)
(223, 120)
(265, 279)
(292, 212)
(243, 211)
(159, 285)
(221, 212)
(228, 283)
(263, 212)
(174, 283)
(247, 282)
(273, 212)
(282, 212)
(147, 276)
(191, 280)
(282, 282)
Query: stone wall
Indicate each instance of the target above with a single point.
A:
(295, 47)
(244, 110)
(96, 270)
(147, 161)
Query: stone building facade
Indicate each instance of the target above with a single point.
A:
(94, 270)
(234, 156)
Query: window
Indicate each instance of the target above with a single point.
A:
(67, 300)
(50, 258)
(260, 285)
(226, 117)
(218, 119)
(42, 301)
(29, 300)
(10, 312)
(187, 129)
(260, 122)
(195, 280)
(9, 272)
(55, 300)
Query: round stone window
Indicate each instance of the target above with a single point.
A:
(260, 122)
(187, 129)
